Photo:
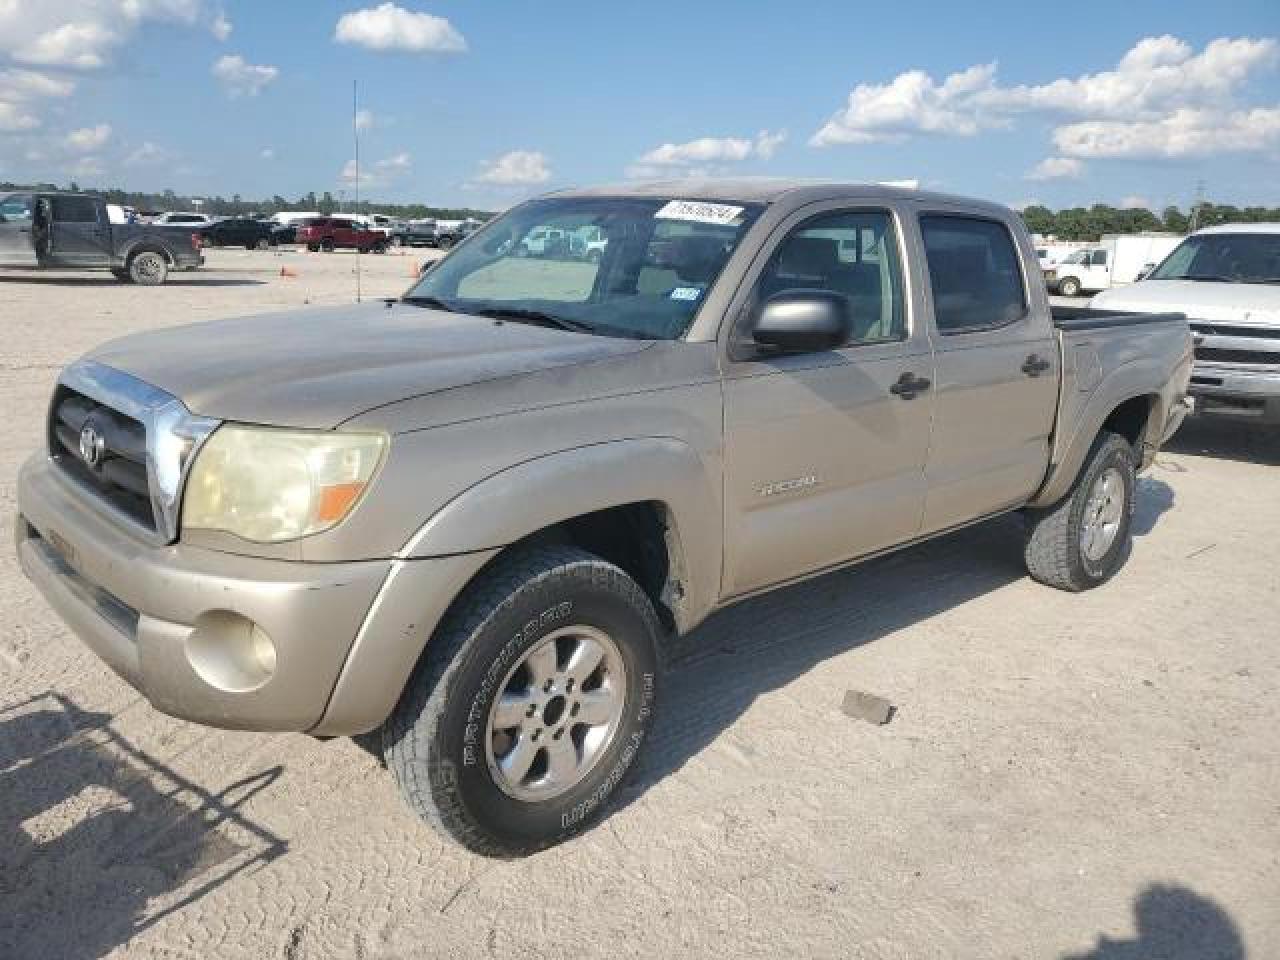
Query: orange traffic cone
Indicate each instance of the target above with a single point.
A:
(288, 272)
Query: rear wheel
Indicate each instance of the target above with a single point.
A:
(313, 247)
(530, 704)
(1084, 539)
(1069, 287)
(262, 244)
(149, 268)
(326, 246)
(379, 248)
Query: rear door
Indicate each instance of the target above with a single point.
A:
(16, 214)
(996, 363)
(80, 235)
(824, 452)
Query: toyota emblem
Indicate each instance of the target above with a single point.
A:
(91, 445)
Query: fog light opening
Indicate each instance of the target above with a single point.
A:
(231, 652)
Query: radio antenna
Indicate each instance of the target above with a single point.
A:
(355, 138)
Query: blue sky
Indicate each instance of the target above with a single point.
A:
(483, 102)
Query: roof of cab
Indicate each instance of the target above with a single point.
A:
(767, 190)
(1242, 228)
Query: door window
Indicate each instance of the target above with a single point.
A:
(854, 253)
(15, 209)
(75, 210)
(1099, 258)
(973, 273)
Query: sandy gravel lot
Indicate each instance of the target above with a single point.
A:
(1092, 776)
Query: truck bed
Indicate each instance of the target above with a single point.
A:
(1087, 318)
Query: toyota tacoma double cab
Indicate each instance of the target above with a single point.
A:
(462, 523)
(73, 231)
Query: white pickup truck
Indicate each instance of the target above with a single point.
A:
(1227, 281)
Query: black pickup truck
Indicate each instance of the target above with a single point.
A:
(73, 231)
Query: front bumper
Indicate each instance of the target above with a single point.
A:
(1226, 390)
(157, 614)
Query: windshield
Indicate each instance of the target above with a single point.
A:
(1080, 256)
(631, 267)
(1224, 257)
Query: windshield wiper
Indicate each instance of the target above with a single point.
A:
(435, 303)
(537, 317)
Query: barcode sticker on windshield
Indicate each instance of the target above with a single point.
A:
(699, 212)
(686, 293)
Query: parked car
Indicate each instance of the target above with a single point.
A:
(1118, 259)
(415, 233)
(251, 234)
(1227, 281)
(449, 235)
(469, 539)
(75, 231)
(182, 219)
(333, 233)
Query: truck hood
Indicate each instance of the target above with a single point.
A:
(1242, 303)
(318, 367)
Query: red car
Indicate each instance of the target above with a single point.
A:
(331, 233)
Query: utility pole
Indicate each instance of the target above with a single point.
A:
(1196, 207)
(355, 188)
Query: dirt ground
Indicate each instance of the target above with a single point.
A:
(1066, 776)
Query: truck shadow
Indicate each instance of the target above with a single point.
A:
(1227, 439)
(99, 840)
(1173, 923)
(715, 673)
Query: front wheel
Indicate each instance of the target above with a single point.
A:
(1069, 287)
(1084, 539)
(149, 268)
(530, 704)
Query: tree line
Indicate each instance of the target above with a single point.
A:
(1089, 224)
(237, 205)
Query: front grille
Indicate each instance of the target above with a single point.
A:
(1226, 330)
(1217, 355)
(118, 473)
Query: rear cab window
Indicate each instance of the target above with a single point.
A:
(974, 273)
(75, 210)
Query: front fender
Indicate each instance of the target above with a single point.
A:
(540, 493)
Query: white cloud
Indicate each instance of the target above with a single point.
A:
(81, 34)
(1056, 168)
(19, 84)
(88, 139)
(1155, 79)
(389, 27)
(1187, 132)
(86, 167)
(15, 118)
(241, 78)
(221, 27)
(1135, 202)
(399, 161)
(364, 119)
(267, 153)
(516, 168)
(148, 154)
(706, 150)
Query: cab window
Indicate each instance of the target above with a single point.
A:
(75, 210)
(973, 273)
(853, 253)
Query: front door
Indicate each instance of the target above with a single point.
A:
(824, 456)
(17, 249)
(997, 372)
(80, 235)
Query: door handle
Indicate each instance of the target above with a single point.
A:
(909, 385)
(1035, 365)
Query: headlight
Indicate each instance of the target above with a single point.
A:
(269, 485)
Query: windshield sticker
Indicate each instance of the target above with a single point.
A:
(698, 212)
(686, 293)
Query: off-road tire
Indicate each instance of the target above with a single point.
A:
(1054, 552)
(1069, 287)
(148, 268)
(434, 740)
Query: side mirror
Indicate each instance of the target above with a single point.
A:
(804, 321)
